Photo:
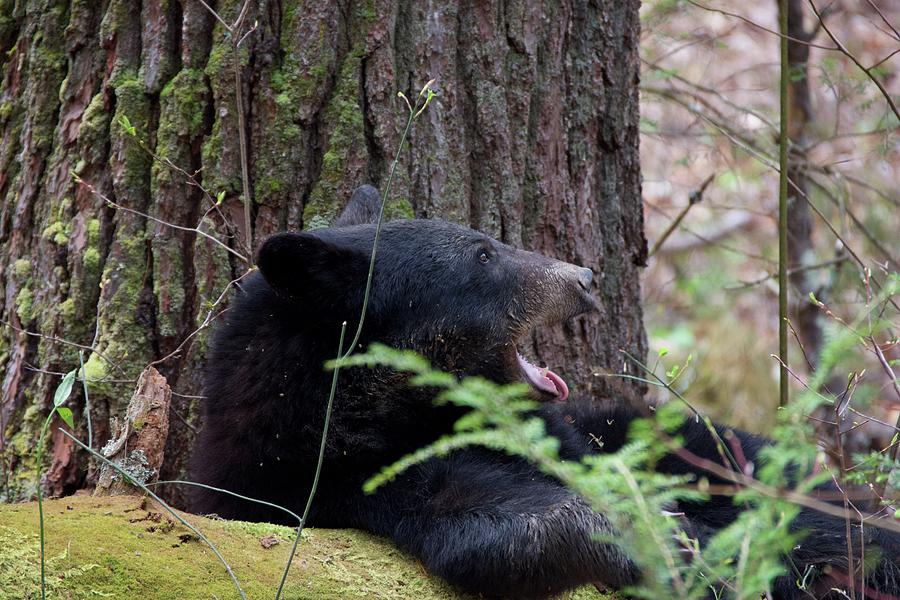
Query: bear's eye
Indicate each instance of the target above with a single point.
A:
(483, 256)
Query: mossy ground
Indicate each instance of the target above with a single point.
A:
(124, 547)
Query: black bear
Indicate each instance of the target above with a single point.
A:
(485, 521)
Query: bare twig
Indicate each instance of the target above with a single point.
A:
(848, 527)
(206, 321)
(196, 230)
(87, 400)
(824, 264)
(753, 23)
(843, 50)
(883, 18)
(695, 197)
(234, 31)
(856, 221)
(65, 342)
(242, 140)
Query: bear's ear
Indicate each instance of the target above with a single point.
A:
(303, 265)
(364, 206)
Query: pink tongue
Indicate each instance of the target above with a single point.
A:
(544, 379)
(562, 390)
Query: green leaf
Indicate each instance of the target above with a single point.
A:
(671, 373)
(64, 389)
(220, 197)
(66, 415)
(127, 126)
(663, 352)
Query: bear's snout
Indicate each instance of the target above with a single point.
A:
(585, 277)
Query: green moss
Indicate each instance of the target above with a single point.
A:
(306, 73)
(133, 103)
(20, 568)
(6, 108)
(91, 259)
(316, 222)
(123, 337)
(21, 448)
(275, 170)
(93, 132)
(25, 304)
(58, 232)
(398, 208)
(346, 143)
(94, 369)
(122, 325)
(187, 95)
(93, 229)
(67, 309)
(167, 287)
(78, 309)
(181, 126)
(220, 154)
(366, 10)
(120, 547)
(22, 268)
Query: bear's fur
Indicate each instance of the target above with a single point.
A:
(485, 521)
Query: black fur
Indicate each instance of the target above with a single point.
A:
(484, 521)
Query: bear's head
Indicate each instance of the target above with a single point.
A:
(460, 298)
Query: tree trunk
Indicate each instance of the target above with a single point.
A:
(804, 314)
(533, 139)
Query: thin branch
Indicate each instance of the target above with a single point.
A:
(216, 15)
(856, 221)
(315, 483)
(206, 321)
(695, 197)
(57, 340)
(751, 148)
(843, 50)
(708, 90)
(828, 263)
(883, 18)
(886, 58)
(233, 30)
(87, 400)
(242, 141)
(196, 230)
(758, 26)
(227, 492)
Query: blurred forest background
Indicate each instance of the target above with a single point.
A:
(709, 127)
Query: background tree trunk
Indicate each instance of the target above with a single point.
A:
(533, 139)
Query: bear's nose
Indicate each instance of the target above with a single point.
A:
(585, 277)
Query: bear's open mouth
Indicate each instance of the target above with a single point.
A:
(543, 379)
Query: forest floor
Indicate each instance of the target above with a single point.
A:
(127, 547)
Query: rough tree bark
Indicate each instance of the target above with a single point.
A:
(533, 139)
